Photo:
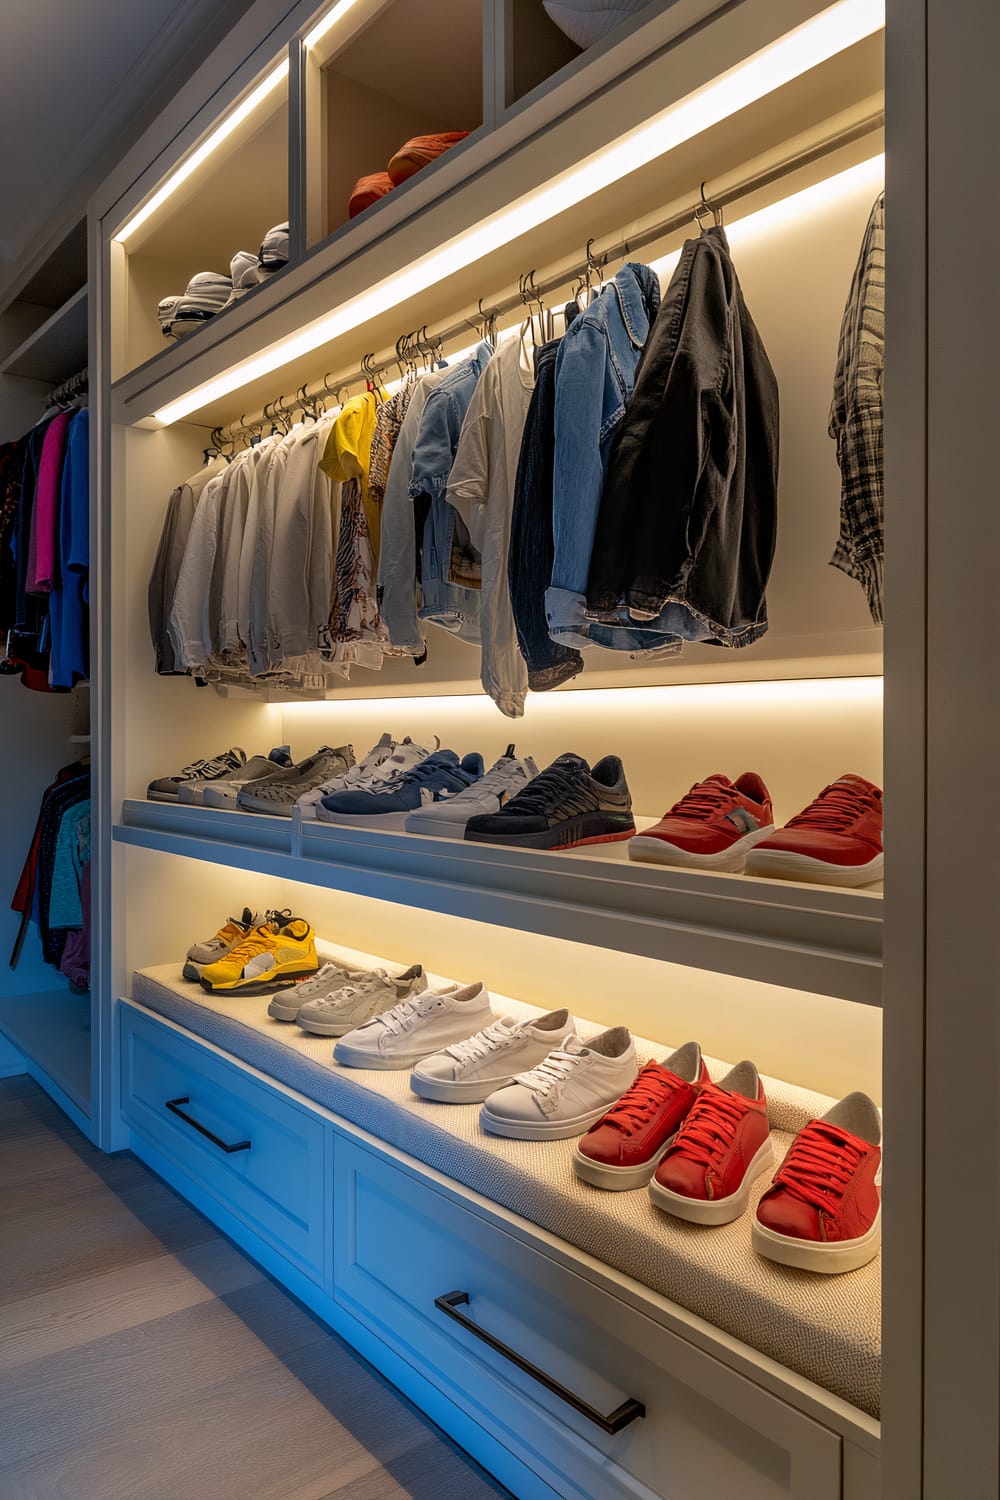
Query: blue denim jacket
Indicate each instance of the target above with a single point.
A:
(595, 373)
(445, 603)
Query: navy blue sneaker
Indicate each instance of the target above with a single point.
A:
(441, 775)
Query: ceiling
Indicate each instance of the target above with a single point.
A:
(75, 79)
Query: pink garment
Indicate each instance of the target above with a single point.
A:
(43, 557)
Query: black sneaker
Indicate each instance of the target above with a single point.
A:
(165, 788)
(567, 805)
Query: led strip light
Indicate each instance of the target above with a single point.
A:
(815, 41)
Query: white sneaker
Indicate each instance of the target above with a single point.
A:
(286, 1004)
(467, 1072)
(565, 1094)
(352, 1004)
(448, 817)
(416, 1027)
(383, 762)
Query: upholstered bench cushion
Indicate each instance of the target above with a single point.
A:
(826, 1328)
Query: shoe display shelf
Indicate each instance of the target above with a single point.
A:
(809, 938)
(511, 182)
(322, 1200)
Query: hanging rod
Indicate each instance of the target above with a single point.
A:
(533, 291)
(71, 386)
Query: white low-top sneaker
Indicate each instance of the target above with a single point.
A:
(566, 1093)
(351, 1005)
(447, 818)
(332, 976)
(468, 1072)
(383, 763)
(416, 1027)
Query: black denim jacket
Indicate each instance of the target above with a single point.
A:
(689, 509)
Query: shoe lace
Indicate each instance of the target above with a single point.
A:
(500, 776)
(640, 1102)
(425, 772)
(545, 791)
(230, 760)
(405, 1012)
(259, 938)
(362, 772)
(551, 1071)
(836, 808)
(395, 776)
(708, 1130)
(327, 971)
(819, 1166)
(482, 1044)
(704, 799)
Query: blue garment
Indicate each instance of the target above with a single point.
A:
(445, 603)
(595, 373)
(68, 603)
(71, 855)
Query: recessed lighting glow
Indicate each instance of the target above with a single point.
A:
(193, 162)
(773, 692)
(329, 21)
(822, 37)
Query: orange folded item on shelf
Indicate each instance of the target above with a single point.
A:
(368, 190)
(419, 152)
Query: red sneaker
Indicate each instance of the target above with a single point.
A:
(624, 1148)
(823, 1210)
(723, 1145)
(711, 828)
(836, 840)
(419, 152)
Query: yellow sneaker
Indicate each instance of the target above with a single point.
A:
(270, 957)
(200, 955)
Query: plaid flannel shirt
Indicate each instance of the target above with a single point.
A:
(856, 416)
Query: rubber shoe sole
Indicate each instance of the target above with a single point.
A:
(812, 1255)
(782, 864)
(356, 1057)
(284, 1010)
(258, 986)
(442, 1092)
(586, 828)
(653, 851)
(529, 1130)
(714, 1210)
(618, 1179)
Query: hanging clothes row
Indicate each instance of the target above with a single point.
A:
(614, 489)
(45, 549)
(53, 890)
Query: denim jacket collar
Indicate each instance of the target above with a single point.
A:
(638, 290)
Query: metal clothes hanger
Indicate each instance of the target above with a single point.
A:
(705, 210)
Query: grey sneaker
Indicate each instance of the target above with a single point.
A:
(354, 1004)
(383, 760)
(245, 274)
(200, 955)
(447, 818)
(286, 1004)
(279, 793)
(167, 788)
(224, 793)
(274, 249)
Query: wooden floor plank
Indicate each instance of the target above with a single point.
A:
(144, 1357)
(67, 1316)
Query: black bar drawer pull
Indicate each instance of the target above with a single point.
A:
(614, 1422)
(174, 1106)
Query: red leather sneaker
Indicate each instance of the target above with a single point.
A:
(823, 1210)
(624, 1148)
(419, 152)
(722, 1146)
(712, 827)
(836, 840)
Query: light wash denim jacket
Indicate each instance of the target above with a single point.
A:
(445, 603)
(595, 373)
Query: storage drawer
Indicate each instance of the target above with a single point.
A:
(399, 1244)
(253, 1149)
